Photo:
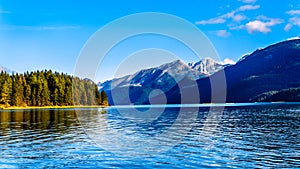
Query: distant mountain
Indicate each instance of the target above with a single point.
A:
(207, 66)
(2, 69)
(163, 77)
(5, 70)
(265, 75)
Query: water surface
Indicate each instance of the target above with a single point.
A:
(244, 136)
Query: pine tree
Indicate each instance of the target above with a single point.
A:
(83, 96)
(17, 96)
(44, 88)
(6, 90)
(68, 99)
(97, 95)
(104, 98)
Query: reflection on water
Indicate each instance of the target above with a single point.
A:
(246, 137)
(36, 119)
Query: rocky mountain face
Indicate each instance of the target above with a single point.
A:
(139, 85)
(265, 75)
(268, 74)
(274, 68)
(207, 66)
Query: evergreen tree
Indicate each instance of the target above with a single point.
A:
(17, 91)
(6, 90)
(26, 91)
(97, 95)
(45, 88)
(68, 99)
(104, 98)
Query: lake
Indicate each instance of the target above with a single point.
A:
(249, 136)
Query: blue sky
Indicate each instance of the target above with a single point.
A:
(49, 35)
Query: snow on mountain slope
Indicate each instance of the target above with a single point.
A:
(164, 78)
(167, 74)
(159, 75)
(207, 66)
(268, 74)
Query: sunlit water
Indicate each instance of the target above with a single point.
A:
(245, 136)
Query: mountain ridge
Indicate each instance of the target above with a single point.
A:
(273, 68)
(197, 71)
(163, 77)
(265, 72)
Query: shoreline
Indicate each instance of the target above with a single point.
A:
(50, 107)
(155, 105)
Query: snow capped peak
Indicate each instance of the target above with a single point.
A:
(209, 66)
(244, 56)
(228, 61)
(191, 64)
(294, 38)
(166, 75)
(208, 59)
(258, 49)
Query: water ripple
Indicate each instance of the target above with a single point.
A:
(246, 137)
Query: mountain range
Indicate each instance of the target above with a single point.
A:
(163, 78)
(268, 74)
(4, 69)
(263, 75)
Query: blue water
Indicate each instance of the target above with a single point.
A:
(249, 136)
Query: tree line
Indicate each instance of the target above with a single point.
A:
(47, 88)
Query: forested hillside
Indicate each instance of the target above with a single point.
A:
(267, 74)
(45, 88)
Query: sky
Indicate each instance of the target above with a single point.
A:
(37, 35)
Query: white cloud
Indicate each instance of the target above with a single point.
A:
(295, 21)
(222, 33)
(293, 12)
(261, 26)
(211, 21)
(263, 17)
(239, 17)
(235, 27)
(228, 61)
(228, 15)
(257, 26)
(248, 1)
(288, 27)
(248, 7)
(234, 15)
(261, 23)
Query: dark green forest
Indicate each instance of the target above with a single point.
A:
(47, 88)
(286, 95)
